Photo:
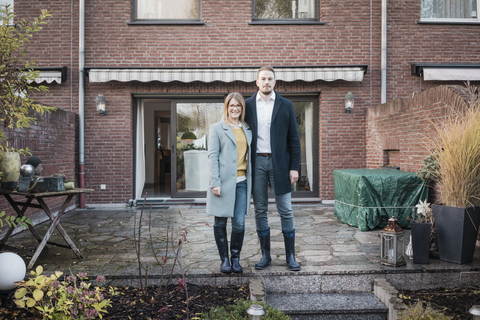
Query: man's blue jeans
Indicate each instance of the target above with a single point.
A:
(263, 175)
(238, 220)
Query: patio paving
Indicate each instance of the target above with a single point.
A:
(334, 257)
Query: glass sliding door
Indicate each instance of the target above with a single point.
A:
(306, 111)
(190, 138)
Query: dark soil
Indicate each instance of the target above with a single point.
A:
(130, 303)
(454, 303)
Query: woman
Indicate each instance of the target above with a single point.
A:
(230, 183)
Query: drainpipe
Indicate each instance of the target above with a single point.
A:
(81, 104)
(384, 53)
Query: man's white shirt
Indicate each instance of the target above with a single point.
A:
(264, 121)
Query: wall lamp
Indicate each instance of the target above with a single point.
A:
(349, 101)
(101, 104)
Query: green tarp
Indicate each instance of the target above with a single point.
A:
(367, 198)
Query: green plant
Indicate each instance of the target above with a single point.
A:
(430, 169)
(62, 300)
(17, 74)
(419, 312)
(14, 221)
(456, 148)
(239, 311)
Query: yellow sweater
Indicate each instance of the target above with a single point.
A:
(241, 151)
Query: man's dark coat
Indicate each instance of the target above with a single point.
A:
(284, 140)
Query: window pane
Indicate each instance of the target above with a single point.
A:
(3, 3)
(284, 9)
(304, 114)
(167, 9)
(193, 123)
(453, 9)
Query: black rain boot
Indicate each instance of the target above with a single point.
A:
(289, 239)
(265, 246)
(222, 245)
(236, 243)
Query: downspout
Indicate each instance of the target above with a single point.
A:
(81, 104)
(383, 58)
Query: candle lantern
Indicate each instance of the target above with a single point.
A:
(393, 244)
(475, 311)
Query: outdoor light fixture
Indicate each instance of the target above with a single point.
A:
(101, 104)
(475, 311)
(393, 244)
(349, 101)
(256, 312)
(12, 269)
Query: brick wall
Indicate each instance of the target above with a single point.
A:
(396, 130)
(52, 139)
(350, 35)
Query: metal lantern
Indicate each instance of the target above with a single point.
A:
(101, 105)
(349, 102)
(393, 244)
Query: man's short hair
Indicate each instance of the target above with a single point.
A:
(266, 68)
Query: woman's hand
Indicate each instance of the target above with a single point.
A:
(216, 191)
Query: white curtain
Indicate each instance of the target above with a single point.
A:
(140, 152)
(308, 142)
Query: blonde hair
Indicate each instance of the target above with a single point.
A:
(266, 68)
(237, 96)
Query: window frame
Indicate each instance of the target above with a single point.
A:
(134, 20)
(451, 20)
(314, 20)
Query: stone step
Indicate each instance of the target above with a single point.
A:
(329, 306)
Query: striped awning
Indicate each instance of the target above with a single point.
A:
(49, 77)
(451, 74)
(187, 75)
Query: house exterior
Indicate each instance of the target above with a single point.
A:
(162, 68)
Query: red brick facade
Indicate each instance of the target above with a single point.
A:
(350, 35)
(396, 130)
(53, 140)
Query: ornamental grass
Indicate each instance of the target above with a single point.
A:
(456, 147)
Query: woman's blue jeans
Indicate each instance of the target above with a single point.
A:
(264, 175)
(238, 220)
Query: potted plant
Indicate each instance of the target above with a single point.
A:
(456, 149)
(422, 233)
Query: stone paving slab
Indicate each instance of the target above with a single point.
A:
(328, 250)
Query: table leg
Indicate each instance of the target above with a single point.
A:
(58, 226)
(20, 214)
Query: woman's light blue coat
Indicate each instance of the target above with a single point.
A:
(222, 165)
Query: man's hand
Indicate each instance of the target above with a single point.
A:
(216, 190)
(293, 176)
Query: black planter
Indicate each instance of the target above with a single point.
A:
(457, 230)
(421, 241)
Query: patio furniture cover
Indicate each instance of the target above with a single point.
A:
(367, 198)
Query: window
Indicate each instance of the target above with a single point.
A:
(285, 9)
(3, 4)
(167, 10)
(449, 10)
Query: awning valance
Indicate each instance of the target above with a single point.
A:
(51, 74)
(447, 72)
(186, 75)
(49, 77)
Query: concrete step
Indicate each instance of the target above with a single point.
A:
(329, 306)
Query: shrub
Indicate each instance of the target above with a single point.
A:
(239, 311)
(419, 312)
(62, 300)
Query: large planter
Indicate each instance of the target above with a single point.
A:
(457, 230)
(420, 241)
(10, 169)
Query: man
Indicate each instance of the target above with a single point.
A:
(275, 160)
